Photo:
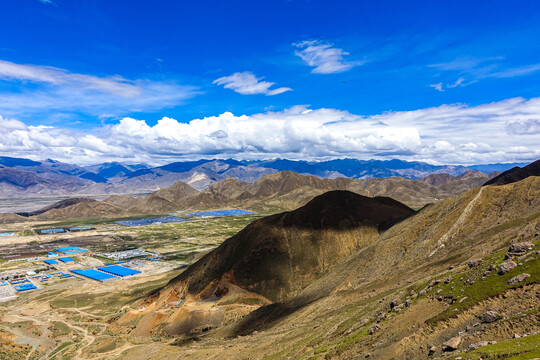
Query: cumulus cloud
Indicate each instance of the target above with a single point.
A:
(246, 83)
(324, 57)
(220, 134)
(60, 90)
(451, 134)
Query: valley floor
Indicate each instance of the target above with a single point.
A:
(77, 322)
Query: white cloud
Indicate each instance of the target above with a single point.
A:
(466, 63)
(517, 71)
(323, 57)
(453, 134)
(442, 87)
(246, 83)
(459, 82)
(482, 68)
(60, 90)
(523, 127)
(115, 85)
(438, 87)
(442, 146)
(47, 2)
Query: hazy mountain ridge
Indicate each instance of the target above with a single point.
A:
(282, 190)
(118, 178)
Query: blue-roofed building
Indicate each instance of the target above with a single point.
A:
(64, 249)
(75, 251)
(80, 228)
(95, 275)
(119, 270)
(50, 262)
(65, 276)
(52, 254)
(52, 231)
(66, 259)
(8, 234)
(119, 262)
(25, 287)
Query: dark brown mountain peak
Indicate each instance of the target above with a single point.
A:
(277, 256)
(516, 174)
(341, 209)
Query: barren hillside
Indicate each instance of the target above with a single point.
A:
(438, 268)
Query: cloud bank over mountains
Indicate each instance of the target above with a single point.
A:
(496, 132)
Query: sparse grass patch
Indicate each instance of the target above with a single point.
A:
(507, 225)
(518, 349)
(23, 324)
(492, 285)
(93, 221)
(214, 230)
(59, 329)
(72, 301)
(104, 345)
(186, 257)
(59, 349)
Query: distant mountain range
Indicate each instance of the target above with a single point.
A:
(25, 178)
(284, 190)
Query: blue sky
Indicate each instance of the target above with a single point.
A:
(86, 69)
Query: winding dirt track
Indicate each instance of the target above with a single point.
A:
(86, 341)
(443, 239)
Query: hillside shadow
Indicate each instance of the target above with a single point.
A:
(269, 315)
(342, 210)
